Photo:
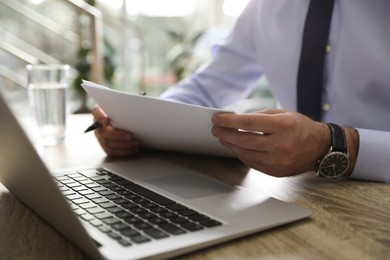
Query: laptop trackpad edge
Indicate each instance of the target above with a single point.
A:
(190, 186)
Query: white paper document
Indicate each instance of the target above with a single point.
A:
(158, 123)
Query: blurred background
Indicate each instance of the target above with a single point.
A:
(129, 45)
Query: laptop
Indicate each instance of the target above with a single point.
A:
(135, 209)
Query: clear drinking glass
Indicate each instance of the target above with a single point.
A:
(47, 86)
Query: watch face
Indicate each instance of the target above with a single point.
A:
(334, 165)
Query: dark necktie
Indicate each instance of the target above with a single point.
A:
(311, 66)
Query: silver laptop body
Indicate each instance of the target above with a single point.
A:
(238, 210)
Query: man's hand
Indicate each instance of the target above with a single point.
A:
(115, 142)
(277, 142)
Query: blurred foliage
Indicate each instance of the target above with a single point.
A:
(180, 57)
(83, 66)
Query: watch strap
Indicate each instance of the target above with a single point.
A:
(337, 138)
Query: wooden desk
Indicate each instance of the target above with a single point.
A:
(351, 219)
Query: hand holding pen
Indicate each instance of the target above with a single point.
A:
(97, 124)
(115, 142)
(92, 127)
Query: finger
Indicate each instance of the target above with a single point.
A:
(257, 122)
(120, 145)
(111, 133)
(246, 140)
(271, 111)
(119, 148)
(261, 161)
(250, 157)
(121, 152)
(98, 113)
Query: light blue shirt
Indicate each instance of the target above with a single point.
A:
(266, 40)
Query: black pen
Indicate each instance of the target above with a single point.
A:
(93, 127)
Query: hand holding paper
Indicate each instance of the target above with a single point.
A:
(158, 123)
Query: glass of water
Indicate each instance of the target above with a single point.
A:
(47, 86)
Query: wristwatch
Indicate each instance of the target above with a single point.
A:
(336, 162)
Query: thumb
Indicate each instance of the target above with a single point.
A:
(100, 116)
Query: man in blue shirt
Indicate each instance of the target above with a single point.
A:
(267, 40)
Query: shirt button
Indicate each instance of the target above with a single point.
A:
(325, 107)
(328, 49)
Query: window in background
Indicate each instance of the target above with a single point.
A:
(169, 39)
(234, 7)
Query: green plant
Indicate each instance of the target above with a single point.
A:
(180, 57)
(83, 66)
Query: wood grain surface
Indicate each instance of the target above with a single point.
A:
(350, 218)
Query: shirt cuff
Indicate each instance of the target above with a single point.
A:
(373, 159)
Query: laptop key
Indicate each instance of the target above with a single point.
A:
(74, 196)
(80, 201)
(168, 215)
(86, 192)
(113, 197)
(130, 232)
(129, 205)
(198, 217)
(147, 215)
(121, 201)
(110, 221)
(96, 222)
(103, 215)
(92, 196)
(73, 184)
(106, 192)
(142, 226)
(99, 200)
(157, 221)
(123, 192)
(124, 242)
(79, 188)
(156, 233)
(68, 192)
(114, 235)
(187, 212)
(87, 217)
(132, 220)
(138, 210)
(179, 220)
(109, 185)
(140, 200)
(210, 223)
(117, 188)
(132, 196)
(115, 178)
(158, 210)
(151, 195)
(140, 239)
(191, 226)
(149, 205)
(120, 226)
(90, 184)
(105, 229)
(107, 205)
(79, 211)
(123, 215)
(103, 181)
(115, 210)
(172, 229)
(99, 189)
(95, 210)
(87, 205)
(176, 207)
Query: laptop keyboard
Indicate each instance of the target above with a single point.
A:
(126, 211)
